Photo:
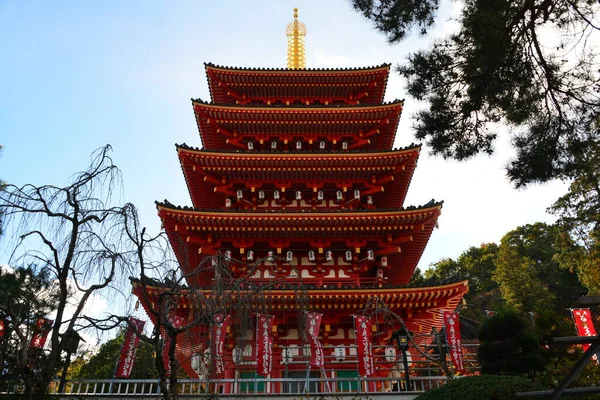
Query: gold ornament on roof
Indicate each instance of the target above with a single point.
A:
(296, 31)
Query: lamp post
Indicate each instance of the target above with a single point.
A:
(401, 336)
(70, 344)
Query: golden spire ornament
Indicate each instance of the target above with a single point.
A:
(295, 31)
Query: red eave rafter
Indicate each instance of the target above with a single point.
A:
(221, 127)
(205, 170)
(242, 86)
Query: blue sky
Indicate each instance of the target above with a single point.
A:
(76, 75)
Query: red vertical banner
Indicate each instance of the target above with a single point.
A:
(264, 344)
(218, 334)
(313, 324)
(454, 340)
(176, 322)
(1, 329)
(585, 326)
(362, 327)
(129, 348)
(40, 333)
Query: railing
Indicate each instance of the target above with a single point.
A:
(247, 387)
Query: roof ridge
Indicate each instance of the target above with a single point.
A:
(266, 69)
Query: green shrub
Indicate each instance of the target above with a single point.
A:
(488, 387)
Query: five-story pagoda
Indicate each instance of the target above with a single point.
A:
(297, 188)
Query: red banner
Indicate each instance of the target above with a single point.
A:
(454, 340)
(585, 326)
(129, 348)
(40, 333)
(176, 322)
(264, 344)
(313, 324)
(362, 327)
(218, 333)
(1, 328)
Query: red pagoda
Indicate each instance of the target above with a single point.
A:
(297, 181)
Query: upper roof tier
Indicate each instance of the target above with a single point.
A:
(229, 85)
(360, 127)
(222, 173)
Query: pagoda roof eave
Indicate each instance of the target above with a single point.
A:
(298, 107)
(170, 207)
(296, 71)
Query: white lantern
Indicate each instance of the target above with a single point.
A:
(340, 352)
(298, 195)
(370, 255)
(339, 195)
(250, 255)
(250, 146)
(311, 256)
(384, 261)
(357, 194)
(322, 145)
(345, 145)
(240, 195)
(236, 354)
(328, 255)
(298, 145)
(273, 145)
(270, 256)
(286, 355)
(390, 353)
(288, 256)
(276, 195)
(370, 200)
(261, 194)
(228, 203)
(348, 255)
(228, 255)
(319, 195)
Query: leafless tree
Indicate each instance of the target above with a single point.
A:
(76, 235)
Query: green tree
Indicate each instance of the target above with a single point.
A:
(28, 293)
(497, 67)
(102, 364)
(528, 273)
(508, 345)
(476, 264)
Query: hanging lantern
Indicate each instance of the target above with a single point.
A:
(348, 255)
(250, 146)
(370, 200)
(319, 195)
(370, 255)
(250, 255)
(322, 145)
(311, 256)
(261, 194)
(298, 195)
(288, 256)
(228, 203)
(276, 195)
(328, 255)
(357, 194)
(298, 145)
(237, 354)
(340, 352)
(345, 145)
(240, 195)
(339, 195)
(228, 255)
(384, 261)
(270, 256)
(273, 145)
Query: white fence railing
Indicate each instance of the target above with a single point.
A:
(249, 387)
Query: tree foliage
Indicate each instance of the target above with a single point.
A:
(101, 365)
(27, 294)
(529, 63)
(482, 387)
(528, 273)
(508, 345)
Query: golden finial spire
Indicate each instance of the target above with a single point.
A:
(295, 31)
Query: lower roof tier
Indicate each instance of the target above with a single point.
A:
(420, 309)
(222, 173)
(359, 242)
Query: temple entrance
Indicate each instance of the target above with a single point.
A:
(347, 385)
(299, 384)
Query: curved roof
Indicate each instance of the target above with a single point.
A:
(391, 170)
(220, 124)
(197, 233)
